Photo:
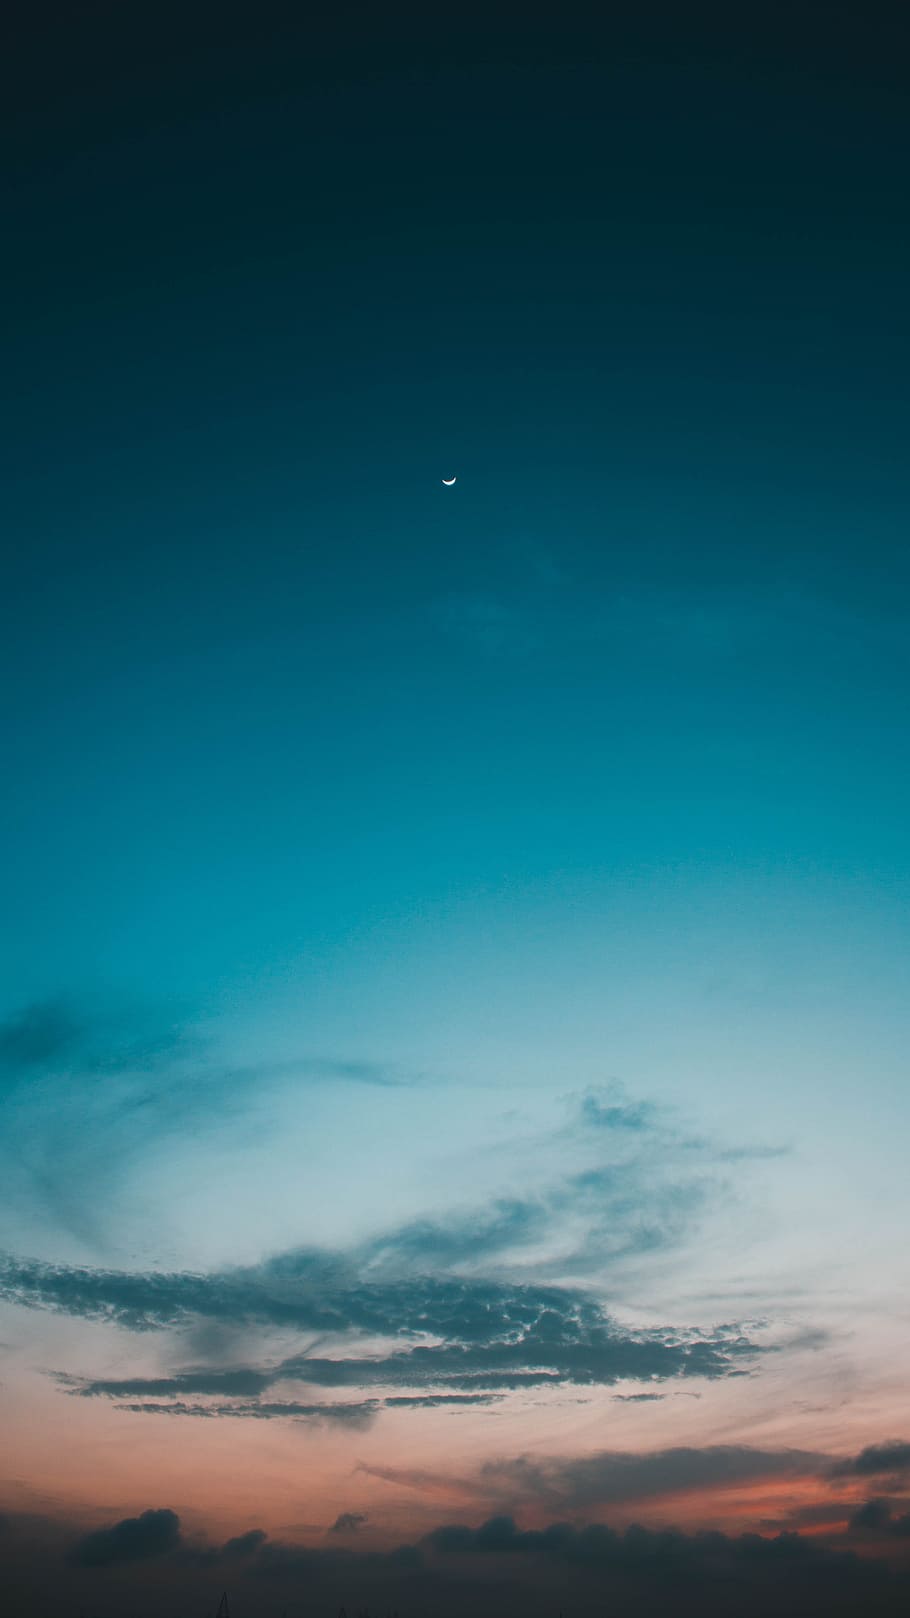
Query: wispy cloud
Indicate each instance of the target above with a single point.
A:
(89, 1094)
(611, 1478)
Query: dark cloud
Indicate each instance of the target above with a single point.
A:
(142, 1565)
(348, 1522)
(613, 1477)
(819, 1514)
(431, 1401)
(876, 1518)
(664, 1552)
(492, 1336)
(360, 1414)
(228, 1384)
(892, 1456)
(135, 1539)
(243, 1545)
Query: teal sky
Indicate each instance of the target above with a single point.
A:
(498, 886)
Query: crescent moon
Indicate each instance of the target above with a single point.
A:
(448, 482)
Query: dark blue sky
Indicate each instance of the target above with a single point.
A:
(641, 284)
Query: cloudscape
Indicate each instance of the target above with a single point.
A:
(455, 673)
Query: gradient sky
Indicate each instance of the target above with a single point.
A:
(454, 981)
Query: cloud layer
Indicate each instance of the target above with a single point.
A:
(448, 1335)
(496, 1565)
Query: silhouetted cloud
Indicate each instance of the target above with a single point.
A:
(892, 1456)
(456, 1567)
(818, 1514)
(613, 1477)
(664, 1552)
(348, 1522)
(876, 1518)
(154, 1533)
(243, 1544)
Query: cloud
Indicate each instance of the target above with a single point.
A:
(93, 1089)
(505, 1224)
(892, 1456)
(429, 1310)
(638, 1398)
(354, 1413)
(243, 1545)
(818, 1514)
(615, 1477)
(357, 1414)
(627, 1183)
(491, 1336)
(135, 1539)
(665, 1553)
(49, 1036)
(496, 1565)
(348, 1522)
(433, 1401)
(598, 1113)
(876, 1519)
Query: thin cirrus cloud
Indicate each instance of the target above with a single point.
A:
(628, 1180)
(98, 1092)
(54, 1036)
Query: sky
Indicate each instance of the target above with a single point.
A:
(454, 973)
